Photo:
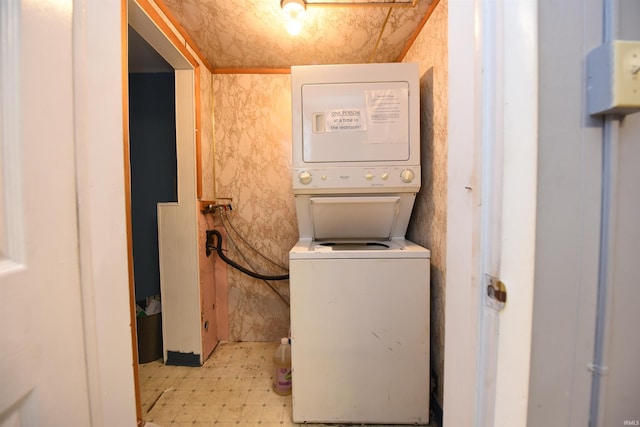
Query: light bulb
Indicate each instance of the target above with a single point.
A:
(294, 26)
(294, 11)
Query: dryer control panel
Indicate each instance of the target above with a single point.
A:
(379, 179)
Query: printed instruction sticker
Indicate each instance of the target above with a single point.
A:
(344, 120)
(387, 113)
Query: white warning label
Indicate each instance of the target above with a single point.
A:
(345, 120)
(387, 113)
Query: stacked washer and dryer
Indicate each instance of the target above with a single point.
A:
(359, 289)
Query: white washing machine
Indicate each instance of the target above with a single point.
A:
(360, 333)
(359, 290)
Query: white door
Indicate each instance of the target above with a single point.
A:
(43, 373)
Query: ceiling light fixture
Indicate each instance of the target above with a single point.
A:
(294, 10)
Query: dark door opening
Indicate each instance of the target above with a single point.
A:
(153, 165)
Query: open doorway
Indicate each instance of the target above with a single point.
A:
(153, 163)
(176, 229)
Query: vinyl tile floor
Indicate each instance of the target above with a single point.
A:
(232, 388)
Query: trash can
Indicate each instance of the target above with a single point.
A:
(149, 337)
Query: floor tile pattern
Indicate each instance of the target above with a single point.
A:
(232, 388)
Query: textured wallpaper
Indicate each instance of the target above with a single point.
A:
(251, 33)
(253, 164)
(428, 225)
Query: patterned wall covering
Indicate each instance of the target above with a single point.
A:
(253, 163)
(428, 225)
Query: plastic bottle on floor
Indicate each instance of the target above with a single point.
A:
(282, 368)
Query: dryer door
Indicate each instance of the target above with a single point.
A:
(355, 122)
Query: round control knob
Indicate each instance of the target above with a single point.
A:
(385, 176)
(369, 177)
(407, 176)
(304, 177)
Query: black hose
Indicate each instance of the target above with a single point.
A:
(218, 249)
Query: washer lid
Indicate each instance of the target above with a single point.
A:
(354, 217)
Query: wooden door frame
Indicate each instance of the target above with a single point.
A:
(146, 20)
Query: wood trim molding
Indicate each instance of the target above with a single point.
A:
(163, 7)
(124, 29)
(251, 71)
(180, 46)
(415, 35)
(168, 31)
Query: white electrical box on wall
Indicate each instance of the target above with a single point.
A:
(613, 83)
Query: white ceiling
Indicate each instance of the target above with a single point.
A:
(251, 34)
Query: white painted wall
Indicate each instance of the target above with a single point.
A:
(567, 237)
(621, 386)
(568, 230)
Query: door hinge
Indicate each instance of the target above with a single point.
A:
(496, 293)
